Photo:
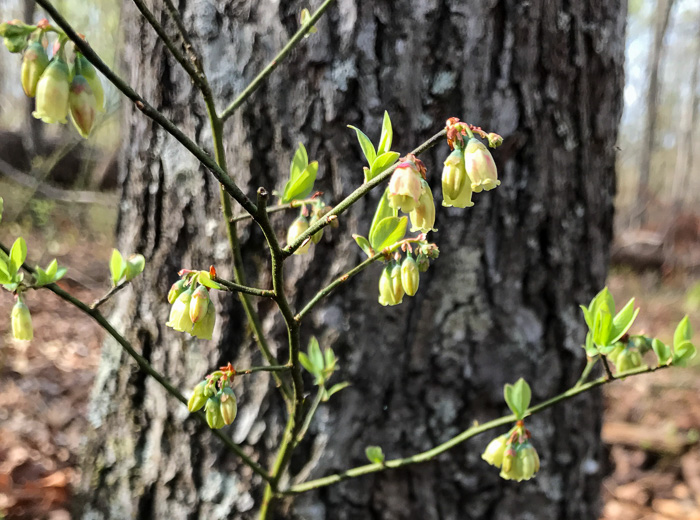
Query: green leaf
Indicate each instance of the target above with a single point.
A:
(683, 353)
(15, 43)
(366, 145)
(41, 278)
(205, 279)
(301, 186)
(5, 278)
(299, 162)
(684, 332)
(135, 265)
(315, 355)
(383, 211)
(51, 269)
(18, 254)
(381, 163)
(329, 358)
(518, 397)
(587, 316)
(662, 351)
(364, 245)
(389, 231)
(116, 266)
(335, 389)
(304, 360)
(591, 350)
(602, 326)
(387, 135)
(60, 273)
(375, 454)
(623, 321)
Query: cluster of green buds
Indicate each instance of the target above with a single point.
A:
(192, 310)
(470, 168)
(401, 278)
(59, 89)
(216, 396)
(310, 213)
(21, 321)
(514, 454)
(410, 193)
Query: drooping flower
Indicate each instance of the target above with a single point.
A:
(405, 187)
(22, 322)
(410, 275)
(52, 93)
(480, 166)
(34, 64)
(180, 312)
(199, 397)
(423, 215)
(456, 188)
(300, 225)
(520, 463)
(204, 328)
(85, 68)
(493, 454)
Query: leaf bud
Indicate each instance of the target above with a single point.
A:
(213, 413)
(480, 166)
(21, 322)
(228, 405)
(34, 64)
(199, 303)
(456, 189)
(52, 93)
(199, 397)
(134, 266)
(410, 275)
(300, 225)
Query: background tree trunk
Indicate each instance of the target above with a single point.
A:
(501, 302)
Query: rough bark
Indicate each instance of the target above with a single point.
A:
(500, 302)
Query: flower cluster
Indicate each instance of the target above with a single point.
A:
(59, 89)
(216, 396)
(514, 454)
(192, 310)
(403, 278)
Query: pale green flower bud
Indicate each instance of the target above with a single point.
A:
(300, 225)
(199, 303)
(180, 313)
(52, 92)
(628, 359)
(405, 187)
(176, 290)
(494, 452)
(396, 285)
(480, 166)
(213, 412)
(82, 105)
(619, 348)
(21, 322)
(85, 68)
(199, 397)
(228, 405)
(204, 328)
(387, 293)
(520, 463)
(456, 188)
(423, 216)
(34, 64)
(410, 275)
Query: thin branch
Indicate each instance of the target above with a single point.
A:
(255, 84)
(465, 435)
(186, 42)
(355, 196)
(144, 365)
(252, 370)
(352, 272)
(220, 174)
(284, 207)
(114, 290)
(236, 287)
(606, 366)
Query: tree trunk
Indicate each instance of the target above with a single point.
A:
(661, 19)
(501, 302)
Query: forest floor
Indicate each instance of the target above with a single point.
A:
(651, 428)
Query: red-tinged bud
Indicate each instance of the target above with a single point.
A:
(423, 216)
(405, 187)
(85, 69)
(495, 140)
(34, 64)
(176, 290)
(480, 166)
(82, 104)
(22, 322)
(228, 405)
(52, 93)
(199, 303)
(410, 276)
(456, 188)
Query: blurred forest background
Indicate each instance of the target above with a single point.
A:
(60, 193)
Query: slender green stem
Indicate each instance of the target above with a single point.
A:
(144, 365)
(228, 183)
(458, 439)
(114, 290)
(284, 207)
(310, 414)
(590, 363)
(355, 196)
(352, 272)
(255, 84)
(606, 366)
(236, 287)
(197, 77)
(234, 244)
(266, 368)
